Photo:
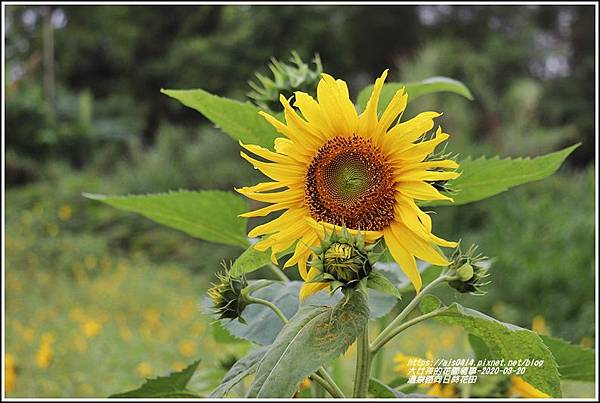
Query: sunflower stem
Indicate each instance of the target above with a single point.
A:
(376, 347)
(384, 335)
(254, 300)
(363, 365)
(327, 386)
(278, 272)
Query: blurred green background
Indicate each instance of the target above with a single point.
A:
(96, 298)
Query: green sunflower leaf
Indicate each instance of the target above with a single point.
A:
(379, 282)
(312, 338)
(242, 368)
(250, 260)
(414, 90)
(505, 341)
(482, 178)
(173, 385)
(240, 120)
(210, 215)
(575, 362)
(380, 389)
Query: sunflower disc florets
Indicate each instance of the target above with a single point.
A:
(468, 269)
(227, 296)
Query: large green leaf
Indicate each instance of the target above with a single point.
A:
(241, 369)
(240, 120)
(482, 178)
(263, 325)
(210, 214)
(174, 385)
(504, 341)
(312, 338)
(414, 90)
(249, 261)
(575, 362)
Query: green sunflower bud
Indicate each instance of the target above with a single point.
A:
(227, 296)
(287, 78)
(467, 271)
(344, 259)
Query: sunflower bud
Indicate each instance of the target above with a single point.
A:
(287, 78)
(227, 296)
(344, 259)
(467, 271)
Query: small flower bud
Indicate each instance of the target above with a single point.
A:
(465, 272)
(227, 296)
(344, 259)
(287, 78)
(468, 269)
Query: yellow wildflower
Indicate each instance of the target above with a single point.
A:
(45, 354)
(10, 373)
(64, 212)
(187, 348)
(91, 328)
(144, 369)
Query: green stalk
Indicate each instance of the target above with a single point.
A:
(363, 365)
(384, 335)
(394, 332)
(254, 300)
(278, 272)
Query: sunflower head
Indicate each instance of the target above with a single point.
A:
(468, 269)
(343, 259)
(287, 78)
(227, 296)
(367, 171)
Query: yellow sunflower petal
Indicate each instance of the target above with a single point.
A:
(395, 108)
(417, 245)
(309, 289)
(301, 132)
(367, 121)
(287, 195)
(404, 258)
(286, 220)
(261, 212)
(403, 135)
(334, 98)
(308, 240)
(420, 191)
(313, 113)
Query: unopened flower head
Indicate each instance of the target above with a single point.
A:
(469, 269)
(342, 259)
(287, 78)
(227, 295)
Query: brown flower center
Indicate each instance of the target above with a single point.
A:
(348, 182)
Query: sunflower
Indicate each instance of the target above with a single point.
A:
(335, 168)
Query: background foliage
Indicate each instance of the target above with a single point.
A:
(84, 113)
